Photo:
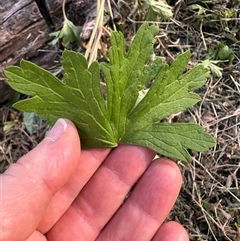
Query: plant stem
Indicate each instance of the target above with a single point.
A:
(63, 9)
(92, 44)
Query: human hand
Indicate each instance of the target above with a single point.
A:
(57, 192)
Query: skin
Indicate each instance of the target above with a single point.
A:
(59, 192)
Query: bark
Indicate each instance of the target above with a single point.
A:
(23, 30)
(25, 26)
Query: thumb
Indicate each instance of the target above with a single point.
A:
(27, 187)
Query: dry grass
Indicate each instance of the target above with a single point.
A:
(209, 202)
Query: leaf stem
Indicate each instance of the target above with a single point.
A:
(63, 9)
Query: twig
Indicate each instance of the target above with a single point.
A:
(203, 39)
(162, 45)
(134, 9)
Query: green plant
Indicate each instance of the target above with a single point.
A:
(69, 32)
(224, 52)
(156, 8)
(122, 117)
(215, 70)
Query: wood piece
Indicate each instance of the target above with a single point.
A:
(54, 8)
(23, 31)
(9, 7)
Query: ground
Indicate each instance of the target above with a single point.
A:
(209, 203)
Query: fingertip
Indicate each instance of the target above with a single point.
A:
(171, 231)
(172, 170)
(56, 156)
(58, 129)
(36, 236)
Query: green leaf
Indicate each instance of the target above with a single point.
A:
(171, 140)
(169, 93)
(157, 7)
(81, 102)
(8, 125)
(225, 53)
(130, 113)
(69, 34)
(31, 122)
(126, 74)
(212, 65)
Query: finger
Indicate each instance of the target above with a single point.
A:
(148, 205)
(36, 236)
(171, 231)
(89, 162)
(103, 194)
(28, 186)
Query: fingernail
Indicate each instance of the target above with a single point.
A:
(57, 130)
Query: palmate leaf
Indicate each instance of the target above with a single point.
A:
(80, 101)
(123, 117)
